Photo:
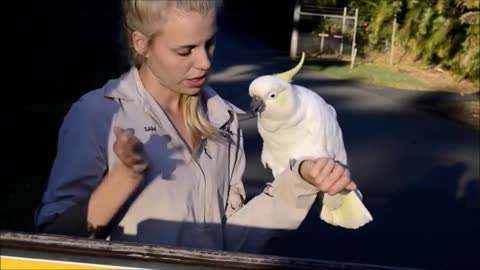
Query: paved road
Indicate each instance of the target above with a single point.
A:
(419, 172)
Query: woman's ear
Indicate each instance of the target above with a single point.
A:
(140, 43)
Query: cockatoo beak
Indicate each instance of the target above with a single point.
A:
(257, 105)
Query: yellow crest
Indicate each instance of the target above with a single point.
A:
(288, 75)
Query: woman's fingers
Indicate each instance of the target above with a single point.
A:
(327, 175)
(339, 185)
(128, 147)
(326, 170)
(351, 186)
(333, 178)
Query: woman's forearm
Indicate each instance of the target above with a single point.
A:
(110, 195)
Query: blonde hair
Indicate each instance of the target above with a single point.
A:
(143, 16)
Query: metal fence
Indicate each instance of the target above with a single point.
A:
(323, 32)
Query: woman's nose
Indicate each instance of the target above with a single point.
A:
(203, 60)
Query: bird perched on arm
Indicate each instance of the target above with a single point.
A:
(296, 123)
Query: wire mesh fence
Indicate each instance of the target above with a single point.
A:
(324, 32)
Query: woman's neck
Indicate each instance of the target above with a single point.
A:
(166, 98)
(169, 101)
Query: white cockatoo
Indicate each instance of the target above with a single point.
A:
(296, 123)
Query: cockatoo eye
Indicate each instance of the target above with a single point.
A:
(273, 95)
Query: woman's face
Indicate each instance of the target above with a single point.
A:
(180, 56)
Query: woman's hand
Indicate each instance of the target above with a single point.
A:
(114, 190)
(327, 175)
(129, 150)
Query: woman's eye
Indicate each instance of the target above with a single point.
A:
(272, 95)
(184, 53)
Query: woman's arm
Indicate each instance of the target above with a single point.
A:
(81, 197)
(91, 217)
(282, 206)
(112, 193)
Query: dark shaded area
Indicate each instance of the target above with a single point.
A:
(269, 21)
(400, 159)
(61, 50)
(145, 256)
(414, 227)
(67, 48)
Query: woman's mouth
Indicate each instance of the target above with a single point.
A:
(197, 82)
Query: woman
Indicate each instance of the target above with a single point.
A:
(156, 156)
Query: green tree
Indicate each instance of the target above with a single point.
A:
(466, 61)
(439, 32)
(378, 15)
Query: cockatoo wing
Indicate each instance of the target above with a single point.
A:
(327, 136)
(272, 155)
(345, 209)
(351, 214)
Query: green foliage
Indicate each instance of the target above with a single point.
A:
(410, 25)
(374, 74)
(466, 62)
(425, 21)
(468, 4)
(378, 15)
(327, 3)
(439, 32)
(442, 6)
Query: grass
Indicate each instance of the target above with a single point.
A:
(373, 74)
(466, 112)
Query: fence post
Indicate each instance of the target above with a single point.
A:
(294, 38)
(343, 29)
(354, 43)
(353, 59)
(393, 38)
(322, 40)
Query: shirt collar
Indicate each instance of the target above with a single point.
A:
(129, 87)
